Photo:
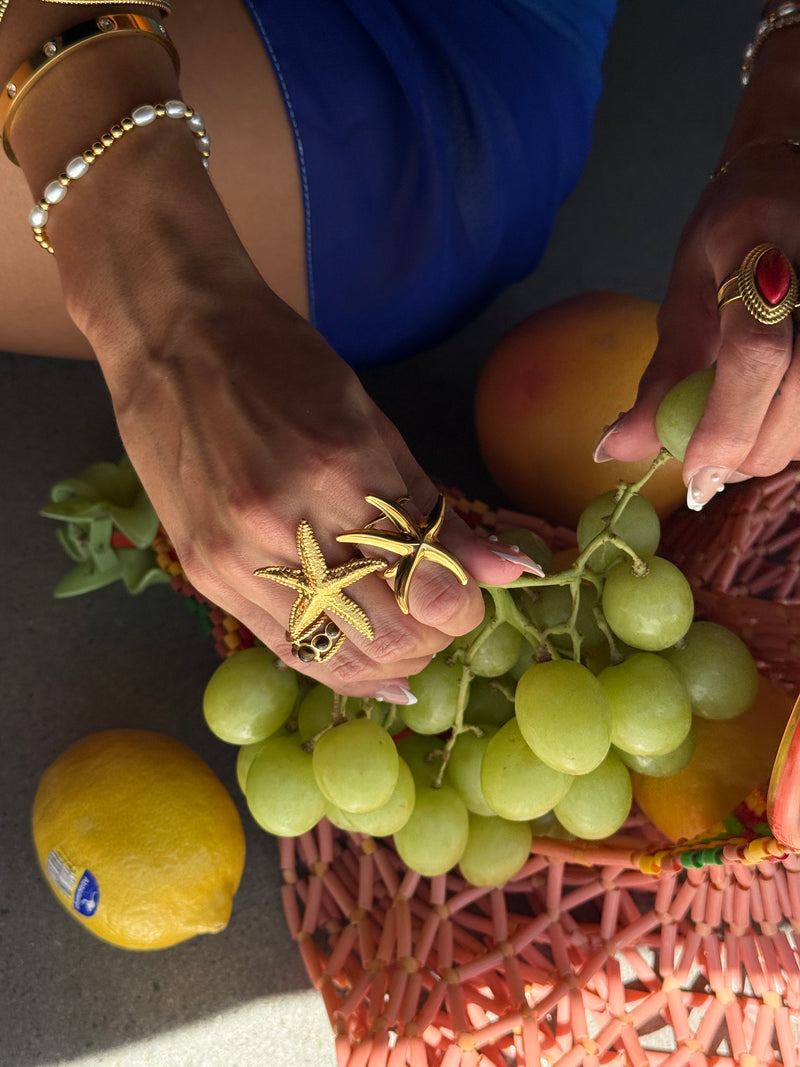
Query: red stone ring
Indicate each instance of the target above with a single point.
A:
(765, 282)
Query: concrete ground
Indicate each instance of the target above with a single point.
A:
(70, 667)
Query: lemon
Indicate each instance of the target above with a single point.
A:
(138, 839)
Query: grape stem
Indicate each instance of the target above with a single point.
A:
(458, 726)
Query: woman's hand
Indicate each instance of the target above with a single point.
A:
(751, 425)
(244, 423)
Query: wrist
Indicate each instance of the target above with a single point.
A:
(770, 104)
(167, 231)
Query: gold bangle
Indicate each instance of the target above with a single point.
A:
(57, 48)
(164, 6)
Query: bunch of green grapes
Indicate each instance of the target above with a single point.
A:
(531, 723)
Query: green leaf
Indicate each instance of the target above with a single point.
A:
(100, 549)
(74, 541)
(140, 570)
(69, 487)
(85, 578)
(129, 484)
(74, 509)
(139, 523)
(104, 479)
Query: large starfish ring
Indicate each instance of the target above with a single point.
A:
(412, 541)
(314, 636)
(765, 282)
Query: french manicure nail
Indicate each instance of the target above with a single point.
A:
(514, 555)
(601, 453)
(394, 693)
(703, 486)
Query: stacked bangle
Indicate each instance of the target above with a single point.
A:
(59, 47)
(78, 166)
(776, 17)
(164, 6)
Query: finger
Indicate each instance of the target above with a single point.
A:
(778, 441)
(753, 359)
(688, 339)
(349, 670)
(485, 561)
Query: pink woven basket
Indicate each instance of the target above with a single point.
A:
(631, 951)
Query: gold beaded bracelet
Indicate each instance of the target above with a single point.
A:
(59, 47)
(773, 142)
(78, 166)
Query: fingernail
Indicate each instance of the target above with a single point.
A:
(704, 485)
(394, 693)
(601, 453)
(514, 555)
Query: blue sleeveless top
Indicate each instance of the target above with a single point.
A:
(436, 140)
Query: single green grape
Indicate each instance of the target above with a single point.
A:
(436, 689)
(650, 612)
(526, 659)
(681, 409)
(598, 802)
(496, 849)
(516, 784)
(487, 703)
(315, 712)
(435, 836)
(638, 525)
(490, 649)
(340, 819)
(391, 816)
(417, 750)
(650, 709)
(463, 771)
(249, 696)
(550, 607)
(244, 760)
(717, 670)
(661, 766)
(281, 789)
(356, 765)
(495, 654)
(564, 715)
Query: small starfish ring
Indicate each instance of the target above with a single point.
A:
(411, 541)
(766, 284)
(314, 636)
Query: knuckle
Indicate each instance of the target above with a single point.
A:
(762, 463)
(438, 599)
(395, 643)
(761, 352)
(344, 669)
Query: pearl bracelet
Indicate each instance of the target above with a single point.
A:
(78, 166)
(781, 18)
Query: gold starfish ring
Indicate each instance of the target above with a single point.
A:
(412, 541)
(319, 591)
